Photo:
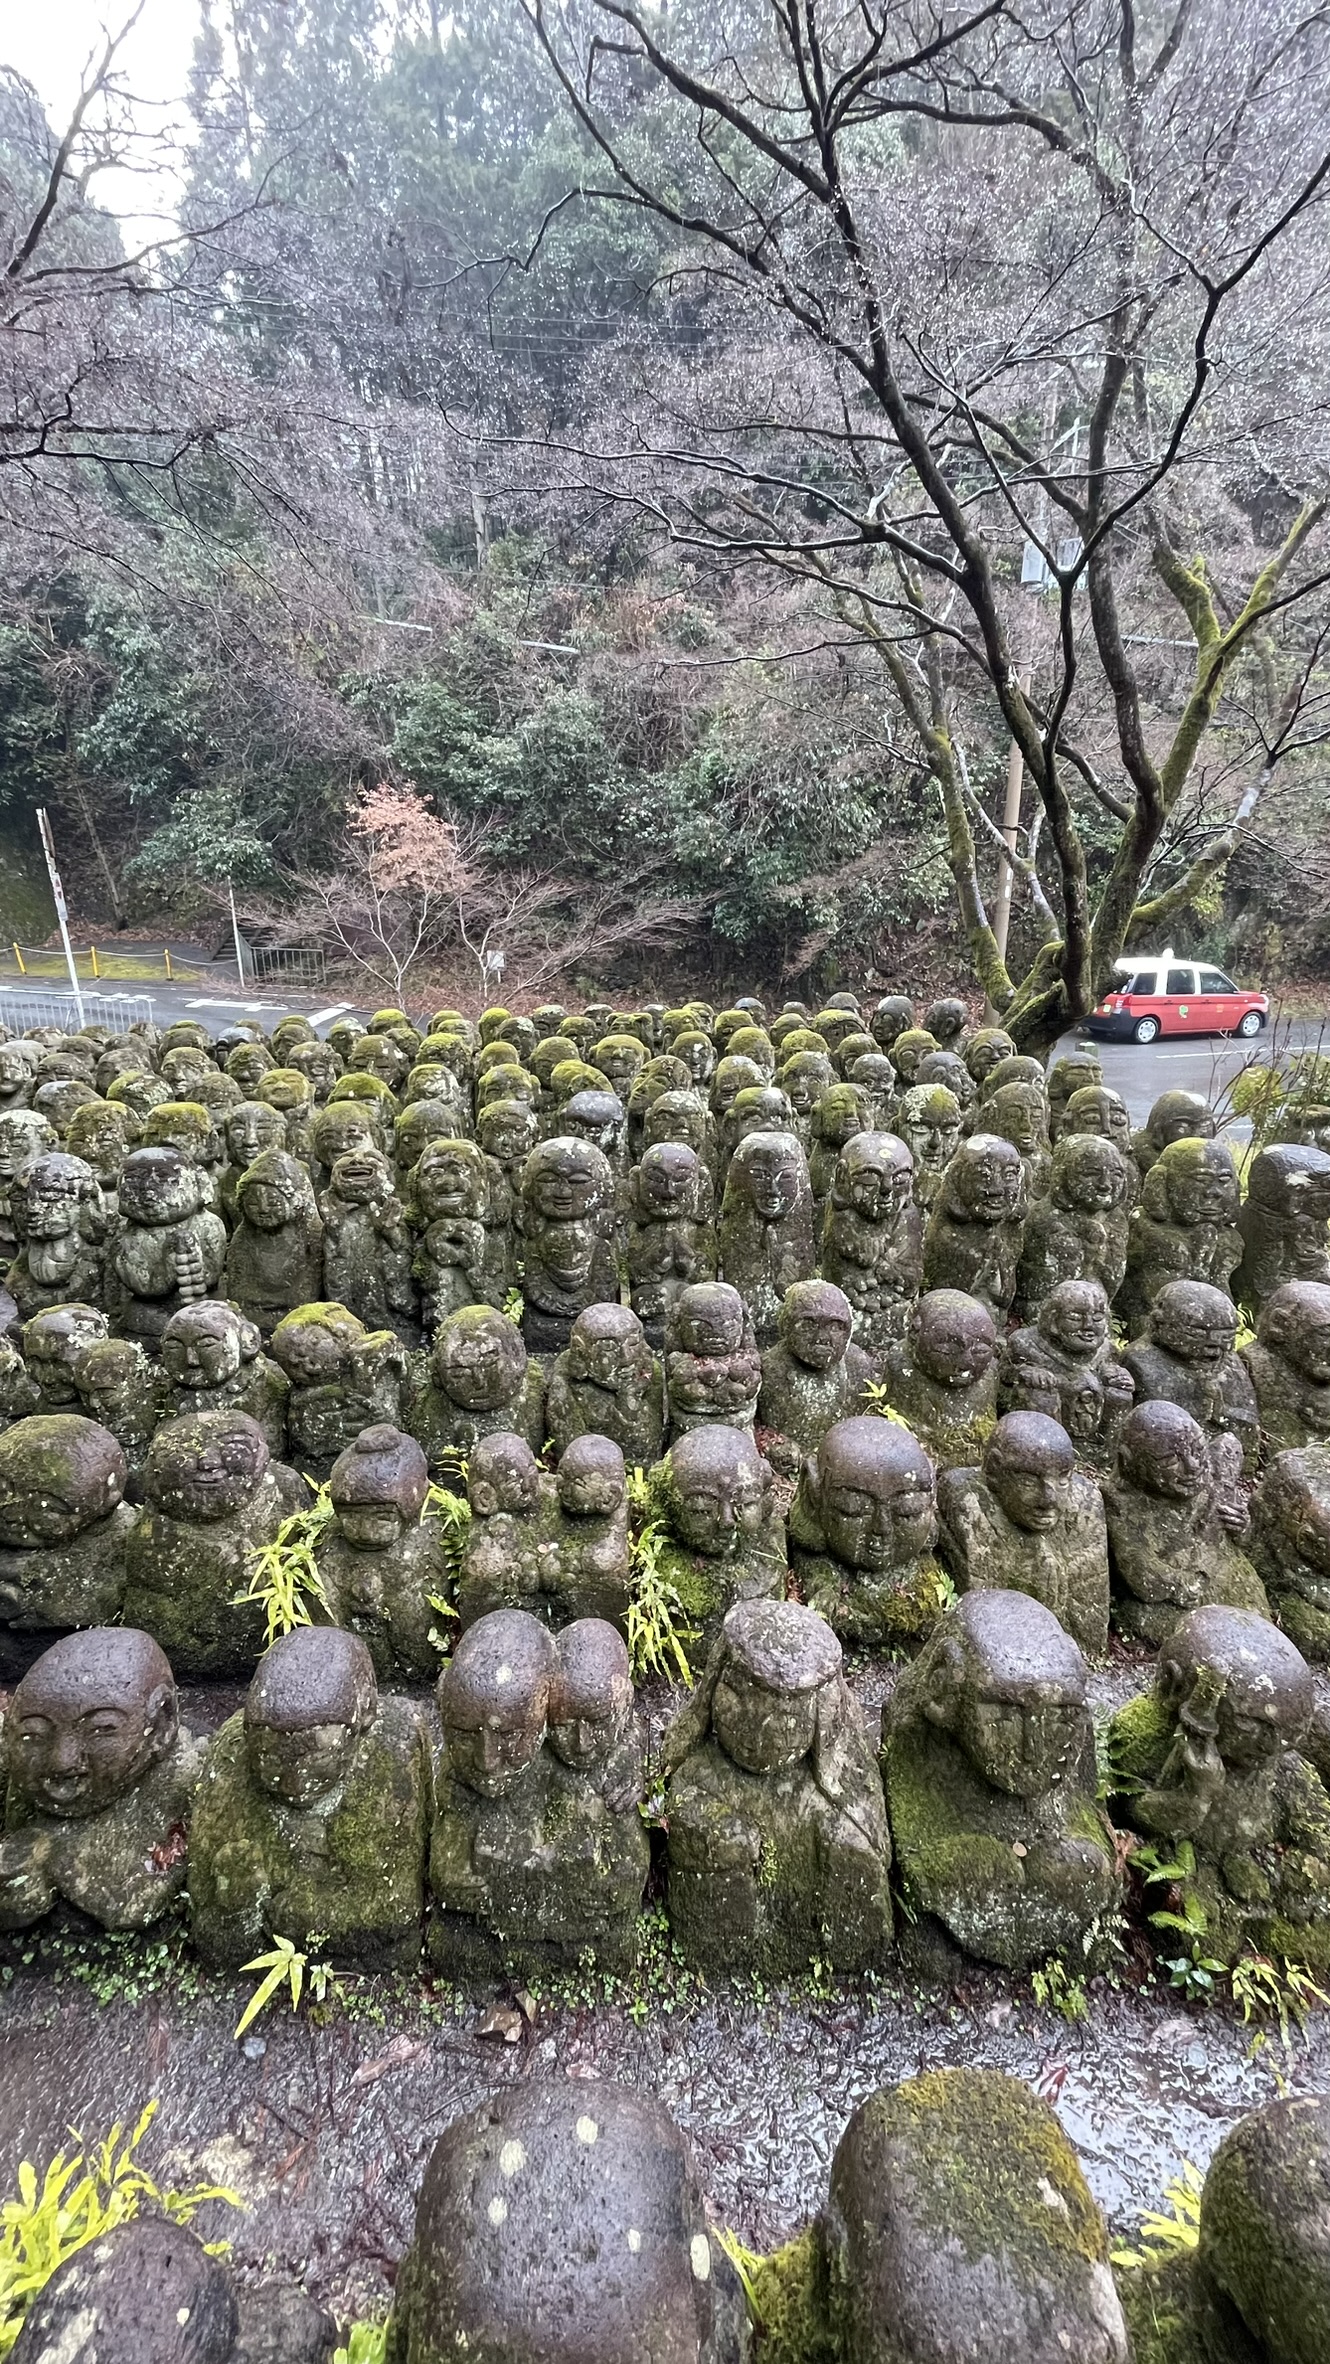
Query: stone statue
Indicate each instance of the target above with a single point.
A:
(537, 1856)
(1174, 1537)
(378, 1564)
(510, 1560)
(1290, 1545)
(984, 1049)
(334, 1131)
(103, 1135)
(1018, 1112)
(670, 1238)
(724, 1535)
(1185, 1355)
(476, 1381)
(804, 1078)
(912, 1045)
(1175, 1116)
(457, 1261)
(607, 1382)
(506, 1133)
(862, 1527)
(166, 1247)
(213, 1361)
(247, 1131)
(684, 1117)
(872, 1236)
(778, 1849)
(1066, 1366)
(343, 1378)
(931, 1120)
(947, 1070)
(367, 1248)
(765, 1233)
(1185, 1227)
(1027, 1521)
(1073, 1071)
(119, 1389)
(1260, 2287)
(52, 1343)
(988, 1760)
(712, 1368)
(311, 1817)
(841, 1112)
(590, 1574)
(874, 1078)
(99, 1781)
(211, 1500)
(941, 1378)
(568, 1214)
(60, 1221)
(889, 1020)
(1079, 1232)
(973, 1236)
(1211, 1757)
(812, 1377)
(275, 1259)
(64, 1525)
(23, 1136)
(187, 1127)
(1289, 1365)
(1097, 1111)
(319, 1064)
(1285, 1223)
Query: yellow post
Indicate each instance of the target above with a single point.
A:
(93, 952)
(19, 958)
(167, 958)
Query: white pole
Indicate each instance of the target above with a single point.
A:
(48, 848)
(235, 931)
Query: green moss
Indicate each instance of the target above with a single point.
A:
(789, 2296)
(1138, 1740)
(1156, 2300)
(981, 2150)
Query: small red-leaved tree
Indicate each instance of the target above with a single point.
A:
(401, 872)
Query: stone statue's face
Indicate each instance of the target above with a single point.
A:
(1205, 1191)
(249, 1063)
(1022, 1744)
(1310, 1532)
(268, 1202)
(202, 1353)
(506, 1137)
(251, 1128)
(1196, 1324)
(666, 1184)
(933, 1137)
(710, 1327)
(1090, 1184)
(568, 1191)
(719, 1504)
(504, 1482)
(14, 1071)
(1253, 1731)
(1021, 1118)
(878, 1185)
(51, 1494)
(1183, 1124)
(446, 1184)
(475, 1366)
(590, 1489)
(1306, 1344)
(370, 1526)
(315, 1353)
(1079, 1322)
(1033, 1489)
(989, 1184)
(361, 1177)
(818, 1340)
(206, 1466)
(1175, 1463)
(158, 1193)
(763, 1731)
(51, 1348)
(954, 1345)
(770, 1170)
(874, 1517)
(342, 1126)
(299, 1768)
(491, 1746)
(73, 1751)
(108, 1375)
(51, 1203)
(583, 1742)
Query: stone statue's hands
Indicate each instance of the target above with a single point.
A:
(190, 1276)
(26, 1887)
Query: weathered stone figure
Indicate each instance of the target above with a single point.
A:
(862, 1526)
(765, 1234)
(1027, 1521)
(166, 1247)
(1079, 1232)
(813, 1376)
(1018, 1112)
(23, 1136)
(725, 1535)
(1185, 1355)
(343, 1378)
(713, 1371)
(1289, 1365)
(511, 1557)
(930, 1119)
(1290, 1545)
(778, 1845)
(1174, 1534)
(1175, 1116)
(942, 1377)
(873, 1236)
(99, 1780)
(367, 1247)
(275, 1259)
(378, 1564)
(118, 1388)
(1065, 1365)
(312, 1813)
(974, 1233)
(211, 1498)
(477, 1381)
(64, 1525)
(213, 1361)
(60, 1221)
(1285, 1223)
(841, 1112)
(1185, 1227)
(988, 1758)
(52, 1343)
(247, 1131)
(607, 1382)
(455, 1264)
(671, 1241)
(568, 1228)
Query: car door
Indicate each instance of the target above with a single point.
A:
(1219, 998)
(1180, 1001)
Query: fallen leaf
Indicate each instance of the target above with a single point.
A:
(399, 2054)
(502, 2025)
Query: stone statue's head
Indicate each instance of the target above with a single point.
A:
(591, 1697)
(1237, 1669)
(1294, 1323)
(815, 1324)
(310, 1704)
(378, 1487)
(1076, 1318)
(1163, 1451)
(1029, 1462)
(478, 1358)
(503, 1474)
(866, 1496)
(716, 1490)
(53, 1340)
(1004, 1679)
(206, 1344)
(494, 1700)
(591, 1478)
(59, 1474)
(1195, 1322)
(205, 1465)
(953, 1337)
(90, 1718)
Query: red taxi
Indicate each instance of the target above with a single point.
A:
(1165, 993)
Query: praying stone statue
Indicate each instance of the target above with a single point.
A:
(59, 1219)
(343, 1378)
(724, 1535)
(537, 1855)
(765, 1233)
(1065, 1365)
(873, 1237)
(862, 1526)
(275, 1259)
(1211, 1757)
(988, 1759)
(1185, 1227)
(213, 1361)
(1175, 1116)
(1018, 1112)
(1185, 1355)
(312, 1813)
(367, 1247)
(568, 1228)
(973, 1236)
(64, 1525)
(477, 1381)
(247, 1131)
(510, 1558)
(1285, 1223)
(1290, 1545)
(812, 1377)
(670, 1238)
(1289, 1365)
(1026, 1520)
(377, 1563)
(119, 1389)
(941, 1378)
(211, 1500)
(167, 1248)
(98, 1784)
(52, 1343)
(713, 1371)
(1174, 1536)
(778, 1851)
(1079, 1232)
(449, 1204)
(607, 1382)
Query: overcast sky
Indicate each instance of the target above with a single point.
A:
(49, 41)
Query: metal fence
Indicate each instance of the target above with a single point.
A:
(22, 1006)
(289, 964)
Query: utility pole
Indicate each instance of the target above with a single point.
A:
(235, 933)
(61, 913)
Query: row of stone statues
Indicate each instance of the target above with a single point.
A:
(565, 2223)
(332, 1813)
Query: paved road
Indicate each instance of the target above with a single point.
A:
(1201, 1063)
(215, 1001)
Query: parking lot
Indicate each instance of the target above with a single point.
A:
(1196, 1063)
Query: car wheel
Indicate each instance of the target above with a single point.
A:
(1250, 1023)
(1145, 1030)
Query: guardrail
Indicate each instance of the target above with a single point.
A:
(22, 1006)
(40, 960)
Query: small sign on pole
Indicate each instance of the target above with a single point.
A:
(61, 913)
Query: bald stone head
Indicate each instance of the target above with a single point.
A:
(494, 1700)
(90, 1718)
(591, 1697)
(591, 1478)
(870, 1486)
(718, 1490)
(311, 1701)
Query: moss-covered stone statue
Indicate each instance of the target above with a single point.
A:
(476, 1381)
(247, 1131)
(23, 1136)
(1174, 1116)
(312, 1813)
(841, 1112)
(377, 1563)
(1066, 1365)
(334, 1131)
(873, 1237)
(166, 1248)
(457, 1262)
(670, 1237)
(119, 1389)
(275, 1258)
(813, 1376)
(98, 1784)
(211, 1499)
(960, 2225)
(1027, 1520)
(973, 1236)
(60, 1222)
(765, 1233)
(1185, 1355)
(988, 1758)
(1185, 1227)
(148, 2292)
(778, 1848)
(1175, 1537)
(803, 1078)
(212, 1360)
(1290, 1545)
(1285, 1224)
(510, 1559)
(538, 1855)
(568, 1218)
(1079, 1231)
(1289, 1365)
(862, 1528)
(607, 1382)
(713, 1371)
(1210, 1759)
(52, 1343)
(367, 1246)
(64, 1526)
(343, 1378)
(941, 1378)
(724, 1536)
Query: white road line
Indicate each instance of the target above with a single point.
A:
(206, 1004)
(320, 1017)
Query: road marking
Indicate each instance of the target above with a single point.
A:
(320, 1017)
(205, 1004)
